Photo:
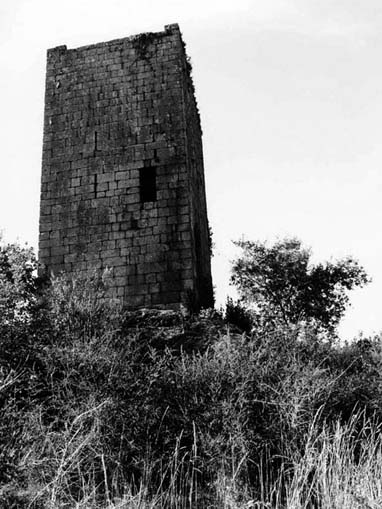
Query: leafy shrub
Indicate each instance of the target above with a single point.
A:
(237, 314)
(98, 403)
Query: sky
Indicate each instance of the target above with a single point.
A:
(290, 96)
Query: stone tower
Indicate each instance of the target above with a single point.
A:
(122, 170)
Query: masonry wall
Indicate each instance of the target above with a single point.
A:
(200, 234)
(120, 118)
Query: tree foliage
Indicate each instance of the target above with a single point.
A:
(18, 281)
(284, 286)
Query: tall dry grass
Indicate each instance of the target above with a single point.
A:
(340, 467)
(104, 409)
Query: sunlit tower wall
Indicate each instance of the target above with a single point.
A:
(122, 171)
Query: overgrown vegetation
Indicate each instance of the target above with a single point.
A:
(103, 408)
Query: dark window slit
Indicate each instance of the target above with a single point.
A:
(147, 184)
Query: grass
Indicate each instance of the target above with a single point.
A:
(340, 467)
(103, 409)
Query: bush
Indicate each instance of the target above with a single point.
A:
(237, 314)
(99, 404)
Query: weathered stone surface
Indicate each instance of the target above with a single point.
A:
(122, 173)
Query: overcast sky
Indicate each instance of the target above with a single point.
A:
(290, 95)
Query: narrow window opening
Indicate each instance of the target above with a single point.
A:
(148, 184)
(95, 186)
(95, 141)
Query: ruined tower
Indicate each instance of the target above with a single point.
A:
(122, 170)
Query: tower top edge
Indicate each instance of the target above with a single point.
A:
(171, 29)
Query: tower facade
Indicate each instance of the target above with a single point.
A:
(122, 170)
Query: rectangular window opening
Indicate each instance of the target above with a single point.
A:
(148, 184)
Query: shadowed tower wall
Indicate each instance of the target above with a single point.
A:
(122, 170)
